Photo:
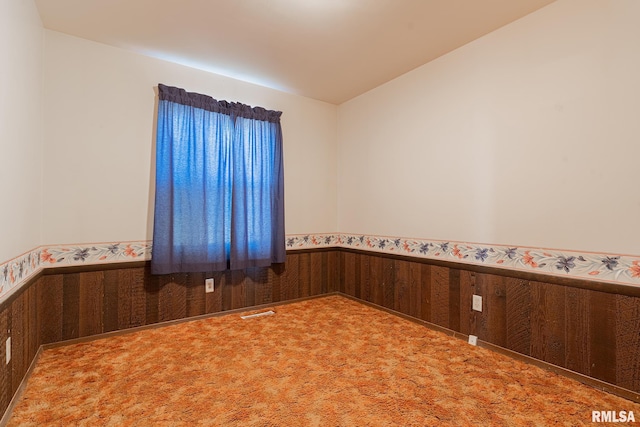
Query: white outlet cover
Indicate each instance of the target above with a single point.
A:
(209, 285)
(477, 303)
(8, 350)
(473, 340)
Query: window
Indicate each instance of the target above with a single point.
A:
(219, 201)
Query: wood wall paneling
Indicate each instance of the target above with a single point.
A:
(276, 273)
(574, 327)
(363, 278)
(585, 330)
(440, 296)
(467, 290)
(304, 275)
(138, 290)
(19, 330)
(375, 277)
(110, 301)
(226, 291)
(5, 372)
(518, 316)
(577, 349)
(214, 299)
(402, 287)
(261, 285)
(317, 281)
(425, 293)
(74, 303)
(151, 284)
(91, 297)
(628, 342)
(415, 290)
(50, 309)
(350, 279)
(196, 296)
(18, 320)
(320, 280)
(172, 299)
(125, 300)
(496, 300)
(333, 271)
(290, 283)
(388, 283)
(602, 339)
(70, 305)
(454, 299)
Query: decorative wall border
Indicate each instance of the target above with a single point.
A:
(14, 273)
(608, 268)
(601, 267)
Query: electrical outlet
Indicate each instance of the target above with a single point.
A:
(209, 285)
(473, 340)
(8, 345)
(477, 303)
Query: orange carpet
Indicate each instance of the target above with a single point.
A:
(323, 362)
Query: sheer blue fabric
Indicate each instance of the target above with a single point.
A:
(219, 201)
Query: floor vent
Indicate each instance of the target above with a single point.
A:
(264, 313)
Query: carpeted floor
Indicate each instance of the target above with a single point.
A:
(323, 362)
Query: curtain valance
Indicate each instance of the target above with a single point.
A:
(205, 102)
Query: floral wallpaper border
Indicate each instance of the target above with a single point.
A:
(610, 268)
(14, 273)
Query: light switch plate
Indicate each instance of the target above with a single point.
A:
(477, 303)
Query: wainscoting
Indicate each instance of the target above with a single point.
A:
(74, 302)
(575, 324)
(558, 321)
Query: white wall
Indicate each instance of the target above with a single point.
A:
(21, 42)
(527, 136)
(100, 109)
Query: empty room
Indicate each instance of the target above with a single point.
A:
(319, 212)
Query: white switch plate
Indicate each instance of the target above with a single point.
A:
(477, 303)
(473, 340)
(8, 345)
(209, 285)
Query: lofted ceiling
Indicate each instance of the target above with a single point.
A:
(330, 50)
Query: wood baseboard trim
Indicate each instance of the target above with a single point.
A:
(589, 381)
(18, 394)
(178, 321)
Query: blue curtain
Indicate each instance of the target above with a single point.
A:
(219, 201)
